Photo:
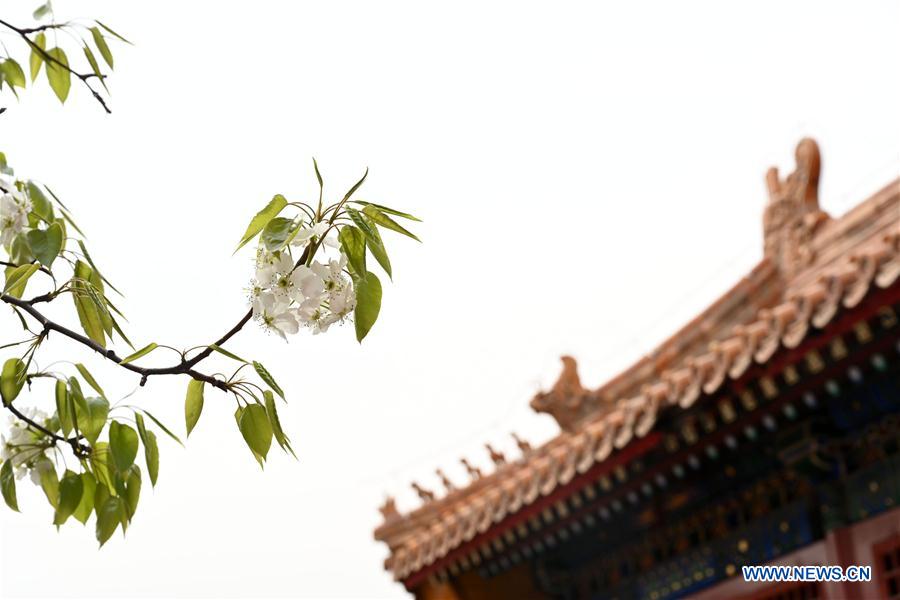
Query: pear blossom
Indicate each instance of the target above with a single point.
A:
(274, 314)
(14, 209)
(269, 265)
(286, 296)
(22, 446)
(315, 316)
(332, 274)
(307, 233)
(308, 285)
(342, 303)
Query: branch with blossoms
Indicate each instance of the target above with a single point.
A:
(311, 273)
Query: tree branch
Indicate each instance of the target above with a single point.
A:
(78, 448)
(185, 367)
(84, 77)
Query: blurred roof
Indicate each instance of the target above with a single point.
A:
(812, 266)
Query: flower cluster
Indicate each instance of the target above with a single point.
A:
(14, 208)
(287, 296)
(24, 447)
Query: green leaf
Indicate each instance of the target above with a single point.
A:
(277, 233)
(20, 253)
(151, 449)
(58, 73)
(90, 379)
(100, 464)
(98, 297)
(123, 445)
(12, 378)
(238, 413)
(353, 243)
(355, 186)
(362, 222)
(85, 305)
(86, 505)
(121, 333)
(388, 210)
(92, 417)
(113, 33)
(46, 245)
(139, 421)
(163, 427)
(318, 175)
(275, 422)
(95, 67)
(140, 353)
(37, 59)
(256, 429)
(368, 304)
(267, 377)
(109, 516)
(225, 352)
(17, 279)
(8, 485)
(132, 491)
(40, 205)
(49, 480)
(102, 47)
(373, 239)
(376, 247)
(12, 73)
(71, 489)
(90, 261)
(76, 402)
(388, 223)
(42, 11)
(262, 218)
(101, 493)
(62, 408)
(193, 404)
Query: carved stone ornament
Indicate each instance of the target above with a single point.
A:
(567, 401)
(389, 510)
(792, 215)
(424, 494)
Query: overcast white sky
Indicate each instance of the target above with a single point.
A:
(590, 175)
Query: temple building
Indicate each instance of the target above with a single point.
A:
(765, 432)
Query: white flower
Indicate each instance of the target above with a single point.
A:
(306, 285)
(275, 314)
(14, 209)
(285, 297)
(342, 302)
(22, 446)
(332, 275)
(269, 265)
(314, 315)
(307, 233)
